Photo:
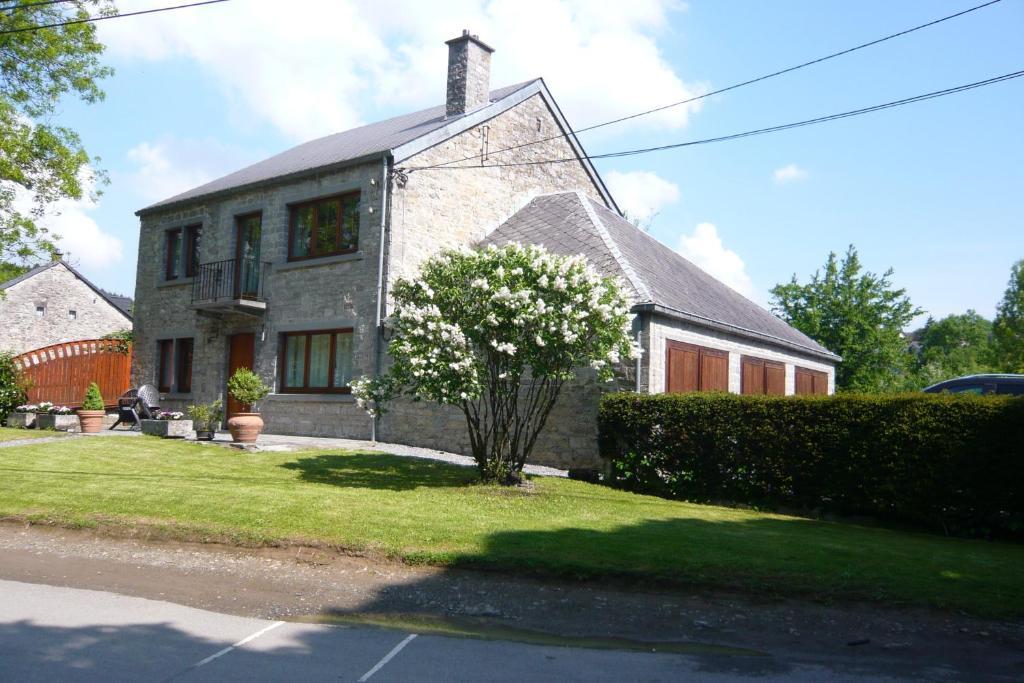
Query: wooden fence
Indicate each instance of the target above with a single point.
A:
(62, 372)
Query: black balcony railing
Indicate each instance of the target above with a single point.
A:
(230, 280)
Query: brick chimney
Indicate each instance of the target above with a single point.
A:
(469, 74)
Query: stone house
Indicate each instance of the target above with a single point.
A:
(54, 303)
(285, 266)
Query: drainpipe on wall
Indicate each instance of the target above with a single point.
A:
(639, 358)
(378, 331)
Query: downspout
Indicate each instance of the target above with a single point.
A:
(385, 191)
(640, 349)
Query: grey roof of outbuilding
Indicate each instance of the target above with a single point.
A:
(333, 150)
(121, 303)
(656, 277)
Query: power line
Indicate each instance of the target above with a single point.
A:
(749, 133)
(111, 16)
(34, 4)
(734, 86)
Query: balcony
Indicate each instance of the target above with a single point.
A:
(231, 286)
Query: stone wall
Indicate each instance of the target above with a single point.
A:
(440, 209)
(657, 329)
(58, 291)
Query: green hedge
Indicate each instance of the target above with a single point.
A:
(948, 463)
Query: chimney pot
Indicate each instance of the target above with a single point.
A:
(469, 74)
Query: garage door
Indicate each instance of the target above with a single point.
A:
(689, 367)
(760, 376)
(810, 381)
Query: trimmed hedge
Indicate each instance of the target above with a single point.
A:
(953, 464)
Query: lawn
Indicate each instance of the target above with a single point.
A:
(424, 511)
(11, 434)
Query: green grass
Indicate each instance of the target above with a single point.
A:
(423, 511)
(12, 434)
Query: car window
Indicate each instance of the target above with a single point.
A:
(1015, 389)
(967, 389)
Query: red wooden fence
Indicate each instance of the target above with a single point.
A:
(62, 372)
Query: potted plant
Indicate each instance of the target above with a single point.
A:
(93, 410)
(53, 417)
(24, 416)
(246, 387)
(205, 416)
(169, 424)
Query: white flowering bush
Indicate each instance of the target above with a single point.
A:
(44, 407)
(496, 333)
(60, 410)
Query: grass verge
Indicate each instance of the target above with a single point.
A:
(430, 512)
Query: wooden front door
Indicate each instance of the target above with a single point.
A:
(241, 354)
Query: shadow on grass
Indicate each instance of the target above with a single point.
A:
(379, 471)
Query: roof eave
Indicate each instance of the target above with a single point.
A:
(651, 307)
(268, 182)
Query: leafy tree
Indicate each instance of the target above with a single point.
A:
(497, 333)
(9, 271)
(858, 315)
(1008, 326)
(953, 346)
(12, 385)
(42, 162)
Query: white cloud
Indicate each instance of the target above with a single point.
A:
(170, 166)
(324, 65)
(704, 248)
(788, 174)
(641, 194)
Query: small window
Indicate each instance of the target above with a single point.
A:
(165, 364)
(324, 227)
(316, 362)
(173, 254)
(174, 365)
(40, 310)
(72, 314)
(193, 233)
(183, 365)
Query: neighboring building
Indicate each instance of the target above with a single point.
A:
(285, 266)
(54, 303)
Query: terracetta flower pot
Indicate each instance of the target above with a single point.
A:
(91, 420)
(245, 427)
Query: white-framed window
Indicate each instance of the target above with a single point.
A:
(40, 310)
(72, 314)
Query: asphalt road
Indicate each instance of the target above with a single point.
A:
(50, 633)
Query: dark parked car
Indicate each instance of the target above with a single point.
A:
(981, 384)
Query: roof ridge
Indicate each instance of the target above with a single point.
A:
(634, 278)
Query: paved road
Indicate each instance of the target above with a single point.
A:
(52, 633)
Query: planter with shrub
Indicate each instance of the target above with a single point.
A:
(246, 387)
(206, 417)
(93, 410)
(54, 417)
(168, 425)
(23, 417)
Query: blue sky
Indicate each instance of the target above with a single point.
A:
(934, 190)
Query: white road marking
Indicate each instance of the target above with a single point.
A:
(240, 643)
(388, 657)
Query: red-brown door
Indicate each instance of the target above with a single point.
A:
(241, 354)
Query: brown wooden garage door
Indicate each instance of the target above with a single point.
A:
(689, 367)
(810, 381)
(760, 376)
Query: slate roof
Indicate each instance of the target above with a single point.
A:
(121, 303)
(656, 277)
(339, 148)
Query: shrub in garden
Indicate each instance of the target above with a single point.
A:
(12, 385)
(949, 463)
(247, 388)
(93, 398)
(496, 333)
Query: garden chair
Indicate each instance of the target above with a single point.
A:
(135, 405)
(126, 410)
